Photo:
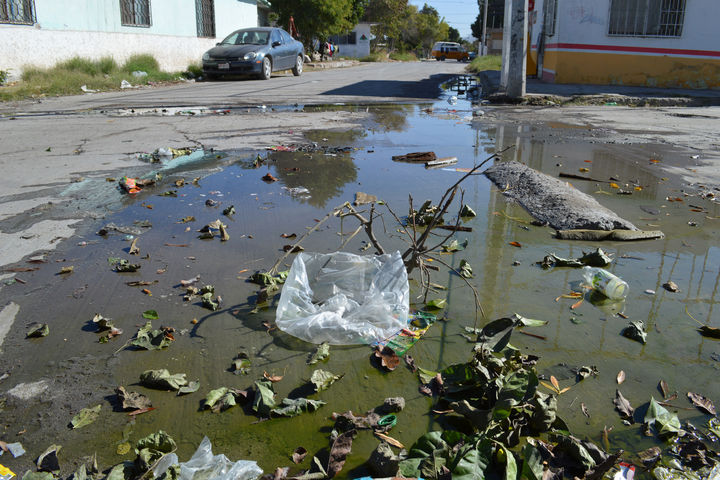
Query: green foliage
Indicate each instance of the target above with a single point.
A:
(319, 18)
(380, 56)
(193, 71)
(67, 76)
(454, 35)
(403, 56)
(3, 76)
(141, 62)
(487, 62)
(404, 27)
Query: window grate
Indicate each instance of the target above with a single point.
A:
(646, 18)
(17, 11)
(135, 13)
(205, 18)
(549, 17)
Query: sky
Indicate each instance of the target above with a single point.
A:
(459, 14)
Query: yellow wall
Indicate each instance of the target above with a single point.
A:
(633, 69)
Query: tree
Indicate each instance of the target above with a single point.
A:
(390, 16)
(454, 35)
(495, 16)
(319, 18)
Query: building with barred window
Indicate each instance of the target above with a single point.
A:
(175, 32)
(656, 43)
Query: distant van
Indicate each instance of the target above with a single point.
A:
(454, 51)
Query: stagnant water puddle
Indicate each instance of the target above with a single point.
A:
(506, 275)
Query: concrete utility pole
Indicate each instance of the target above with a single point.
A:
(514, 56)
(484, 29)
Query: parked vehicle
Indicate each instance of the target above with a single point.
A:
(254, 51)
(454, 51)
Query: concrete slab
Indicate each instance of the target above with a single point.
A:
(7, 317)
(40, 236)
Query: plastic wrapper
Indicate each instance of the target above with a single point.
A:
(205, 466)
(344, 299)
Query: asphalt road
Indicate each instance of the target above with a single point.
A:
(363, 83)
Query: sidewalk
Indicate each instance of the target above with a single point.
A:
(539, 92)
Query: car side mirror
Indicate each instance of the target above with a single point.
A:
(217, 44)
(276, 44)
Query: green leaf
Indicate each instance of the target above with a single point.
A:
(322, 379)
(426, 376)
(86, 417)
(437, 303)
(191, 387)
(264, 398)
(532, 467)
(322, 352)
(466, 211)
(511, 469)
(150, 315)
(529, 322)
(162, 379)
(666, 424)
(150, 339)
(220, 399)
(124, 266)
(209, 303)
(465, 269)
(296, 406)
(39, 330)
(160, 441)
(466, 458)
(455, 246)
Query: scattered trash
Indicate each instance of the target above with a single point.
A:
(670, 286)
(441, 162)
(205, 465)
(5, 473)
(48, 461)
(452, 100)
(415, 157)
(85, 89)
(342, 298)
(298, 191)
(626, 472)
(364, 198)
(125, 84)
(605, 282)
(139, 74)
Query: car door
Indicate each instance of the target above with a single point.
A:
(279, 51)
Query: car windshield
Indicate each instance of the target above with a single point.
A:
(247, 37)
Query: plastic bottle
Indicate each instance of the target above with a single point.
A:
(605, 282)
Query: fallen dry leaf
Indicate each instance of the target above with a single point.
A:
(272, 378)
(269, 178)
(388, 358)
(554, 382)
(670, 286)
(703, 403)
(516, 244)
(576, 304)
(620, 377)
(388, 439)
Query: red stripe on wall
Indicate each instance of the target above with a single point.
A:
(620, 48)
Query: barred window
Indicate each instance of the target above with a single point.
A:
(205, 18)
(17, 11)
(647, 18)
(549, 17)
(347, 39)
(135, 13)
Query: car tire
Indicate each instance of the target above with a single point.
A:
(298, 68)
(266, 69)
(442, 59)
(211, 76)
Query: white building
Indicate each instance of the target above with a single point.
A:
(356, 43)
(657, 43)
(175, 32)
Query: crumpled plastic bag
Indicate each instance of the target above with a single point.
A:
(344, 299)
(205, 466)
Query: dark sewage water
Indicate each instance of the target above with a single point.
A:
(507, 278)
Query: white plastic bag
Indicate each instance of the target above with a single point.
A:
(344, 299)
(205, 466)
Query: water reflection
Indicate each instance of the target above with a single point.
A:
(324, 175)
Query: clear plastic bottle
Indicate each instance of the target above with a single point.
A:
(605, 282)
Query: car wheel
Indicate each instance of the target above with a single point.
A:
(442, 59)
(212, 76)
(298, 68)
(266, 69)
